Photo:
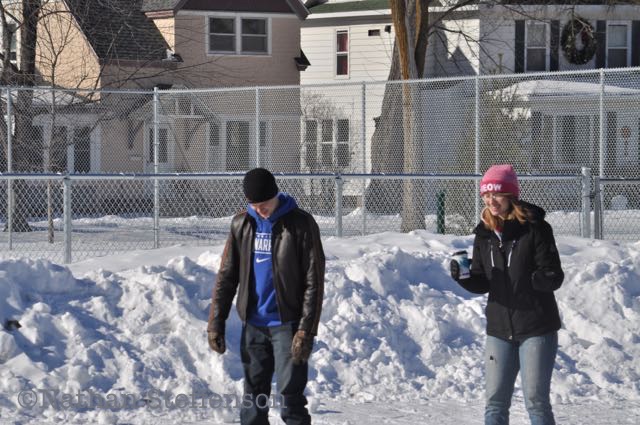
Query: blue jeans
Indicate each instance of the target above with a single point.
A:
(264, 350)
(534, 358)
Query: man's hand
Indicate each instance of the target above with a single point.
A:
(301, 347)
(216, 342)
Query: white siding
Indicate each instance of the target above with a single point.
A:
(497, 31)
(369, 56)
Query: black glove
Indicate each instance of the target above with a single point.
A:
(454, 268)
(301, 347)
(546, 280)
(216, 341)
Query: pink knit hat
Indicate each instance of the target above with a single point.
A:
(500, 178)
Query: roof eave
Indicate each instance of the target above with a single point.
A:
(299, 8)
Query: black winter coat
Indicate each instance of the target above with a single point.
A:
(298, 263)
(520, 274)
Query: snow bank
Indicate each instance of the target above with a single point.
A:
(394, 327)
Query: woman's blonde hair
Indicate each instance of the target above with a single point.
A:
(493, 222)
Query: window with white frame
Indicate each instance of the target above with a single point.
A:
(537, 43)
(238, 35)
(70, 150)
(342, 53)
(618, 42)
(327, 143)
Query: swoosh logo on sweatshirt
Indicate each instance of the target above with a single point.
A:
(262, 260)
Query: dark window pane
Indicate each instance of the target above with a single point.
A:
(151, 146)
(327, 130)
(237, 145)
(617, 36)
(343, 154)
(263, 133)
(311, 141)
(222, 43)
(342, 41)
(254, 26)
(184, 106)
(617, 58)
(327, 155)
(342, 65)
(343, 130)
(536, 34)
(342, 57)
(221, 26)
(214, 134)
(546, 147)
(536, 60)
(254, 44)
(311, 135)
(82, 150)
(12, 43)
(59, 150)
(163, 145)
(568, 139)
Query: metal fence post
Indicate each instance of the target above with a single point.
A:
(597, 209)
(364, 157)
(9, 132)
(585, 221)
(476, 201)
(441, 212)
(339, 184)
(257, 126)
(156, 183)
(602, 124)
(9, 170)
(66, 212)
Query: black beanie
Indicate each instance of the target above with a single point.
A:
(259, 185)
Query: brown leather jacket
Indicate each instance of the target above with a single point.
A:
(298, 271)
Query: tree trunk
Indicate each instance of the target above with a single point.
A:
(408, 17)
(22, 162)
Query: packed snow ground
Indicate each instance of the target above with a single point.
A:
(399, 341)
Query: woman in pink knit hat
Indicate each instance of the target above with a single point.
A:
(515, 261)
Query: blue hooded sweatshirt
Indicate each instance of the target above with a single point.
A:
(263, 310)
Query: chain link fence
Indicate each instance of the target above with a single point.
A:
(74, 217)
(386, 133)
(546, 123)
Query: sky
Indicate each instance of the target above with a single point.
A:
(399, 341)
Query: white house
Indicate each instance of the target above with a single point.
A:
(349, 42)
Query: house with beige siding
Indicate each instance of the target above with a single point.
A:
(191, 52)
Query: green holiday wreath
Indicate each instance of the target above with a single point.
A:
(578, 29)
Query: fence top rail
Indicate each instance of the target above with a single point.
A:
(619, 180)
(76, 90)
(287, 176)
(518, 76)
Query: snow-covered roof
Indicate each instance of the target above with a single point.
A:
(526, 90)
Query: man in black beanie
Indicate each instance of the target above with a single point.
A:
(274, 260)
